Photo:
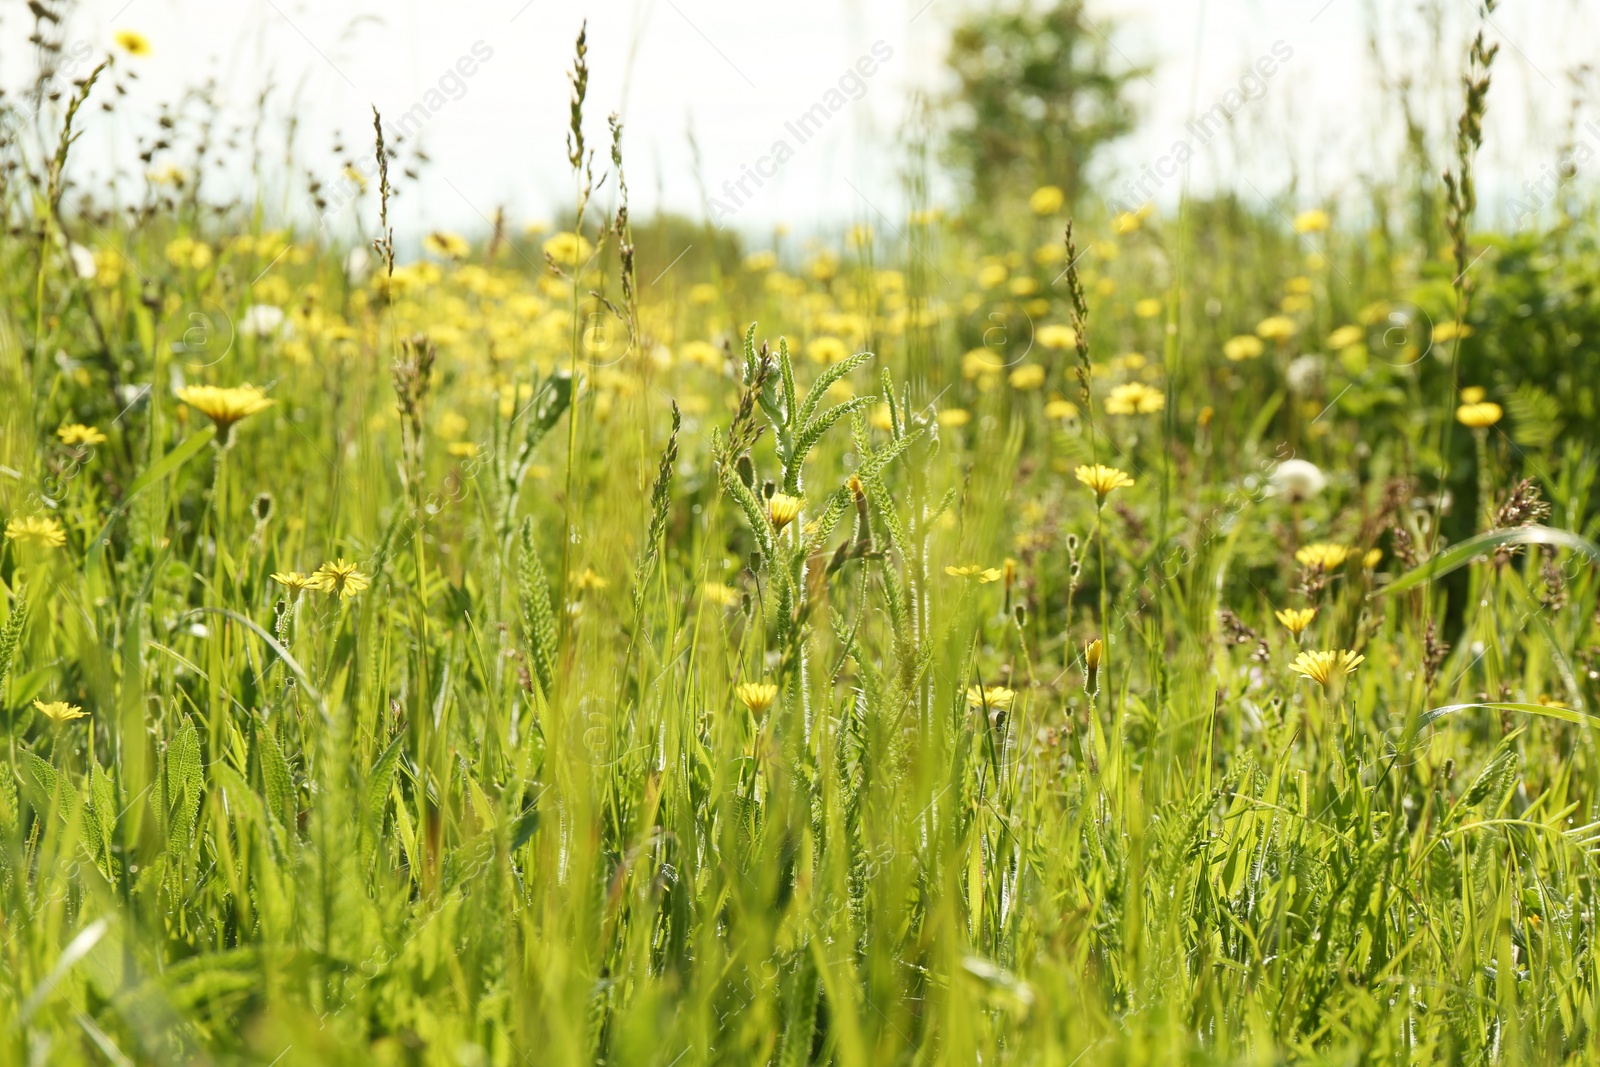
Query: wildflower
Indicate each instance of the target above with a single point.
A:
(1049, 255)
(1298, 479)
(1345, 336)
(135, 44)
(1312, 221)
(449, 245)
(1326, 667)
(293, 581)
(826, 350)
(984, 575)
(36, 530)
(588, 579)
(1276, 328)
(1148, 308)
(1060, 408)
(782, 509)
(954, 417)
(262, 320)
(1373, 557)
(1303, 374)
(1323, 556)
(1057, 336)
(1103, 479)
(1295, 620)
(59, 711)
(1093, 653)
(1450, 331)
(1243, 347)
(1473, 394)
(76, 433)
(1479, 416)
(462, 449)
(567, 249)
(703, 293)
(1125, 222)
(722, 595)
(1047, 200)
(993, 697)
(1028, 376)
(1135, 398)
(340, 578)
(757, 696)
(225, 406)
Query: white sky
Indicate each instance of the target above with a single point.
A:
(734, 71)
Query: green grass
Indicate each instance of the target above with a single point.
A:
(505, 804)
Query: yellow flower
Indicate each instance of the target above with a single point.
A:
(36, 530)
(340, 578)
(722, 595)
(294, 581)
(589, 580)
(135, 44)
(1135, 398)
(225, 406)
(1483, 414)
(1027, 376)
(1373, 557)
(954, 417)
(827, 350)
(1049, 255)
(1311, 221)
(1047, 200)
(757, 696)
(1060, 408)
(59, 711)
(992, 697)
(1323, 556)
(1276, 328)
(1450, 331)
(1148, 308)
(973, 570)
(76, 433)
(1103, 479)
(1093, 653)
(462, 449)
(782, 509)
(1473, 394)
(1057, 336)
(1326, 667)
(568, 249)
(1345, 336)
(449, 245)
(1242, 347)
(1125, 222)
(1295, 620)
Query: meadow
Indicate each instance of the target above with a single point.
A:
(1019, 636)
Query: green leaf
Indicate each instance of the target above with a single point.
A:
(1468, 550)
(275, 776)
(1582, 718)
(378, 783)
(538, 617)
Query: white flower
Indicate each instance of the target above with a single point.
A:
(262, 319)
(356, 263)
(82, 261)
(1304, 374)
(1298, 479)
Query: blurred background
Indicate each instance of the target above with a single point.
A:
(1360, 93)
